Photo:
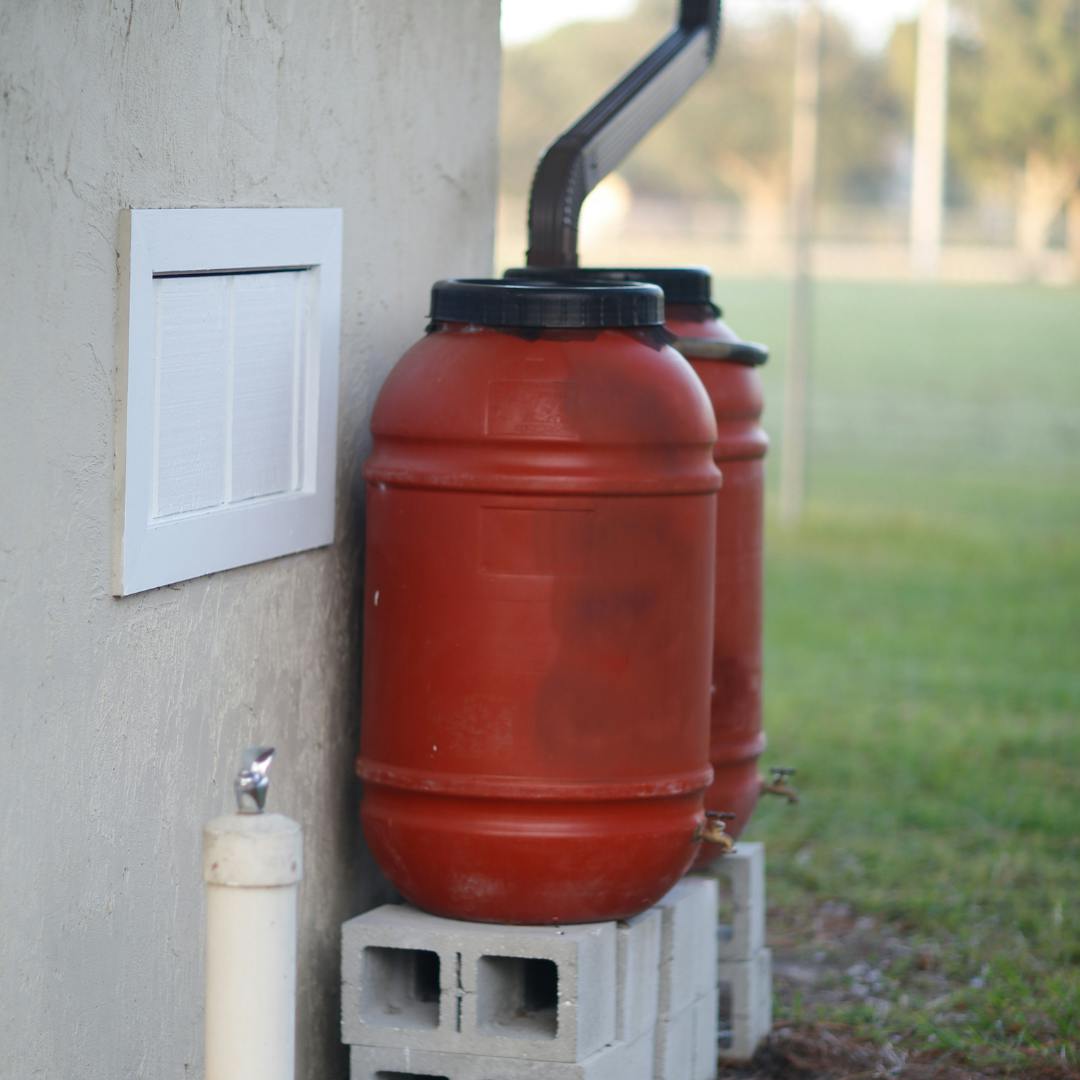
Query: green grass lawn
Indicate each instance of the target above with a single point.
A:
(923, 670)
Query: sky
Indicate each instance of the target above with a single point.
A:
(526, 20)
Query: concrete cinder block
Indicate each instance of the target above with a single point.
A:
(708, 953)
(687, 937)
(745, 985)
(539, 992)
(618, 1062)
(637, 976)
(741, 934)
(399, 973)
(419, 981)
(745, 1005)
(674, 1057)
(706, 1034)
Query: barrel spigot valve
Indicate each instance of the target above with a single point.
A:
(779, 784)
(714, 831)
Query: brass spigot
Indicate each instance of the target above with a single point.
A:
(714, 832)
(779, 784)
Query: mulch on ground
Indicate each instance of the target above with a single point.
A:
(830, 1052)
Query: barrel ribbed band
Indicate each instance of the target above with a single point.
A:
(423, 781)
(514, 467)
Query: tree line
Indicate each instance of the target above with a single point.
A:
(1014, 112)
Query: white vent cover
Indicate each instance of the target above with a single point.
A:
(228, 417)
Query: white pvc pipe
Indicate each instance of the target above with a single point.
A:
(252, 865)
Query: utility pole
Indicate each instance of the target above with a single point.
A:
(928, 153)
(804, 139)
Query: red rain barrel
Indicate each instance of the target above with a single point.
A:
(727, 366)
(541, 506)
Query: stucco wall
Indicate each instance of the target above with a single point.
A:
(121, 721)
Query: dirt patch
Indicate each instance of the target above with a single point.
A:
(820, 1051)
(831, 1052)
(834, 957)
(830, 961)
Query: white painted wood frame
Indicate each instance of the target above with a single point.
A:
(227, 392)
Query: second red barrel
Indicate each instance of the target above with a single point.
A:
(541, 507)
(727, 367)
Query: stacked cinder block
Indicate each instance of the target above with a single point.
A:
(428, 997)
(686, 1031)
(744, 971)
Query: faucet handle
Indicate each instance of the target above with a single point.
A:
(253, 779)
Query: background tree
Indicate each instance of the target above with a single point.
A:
(729, 138)
(1014, 107)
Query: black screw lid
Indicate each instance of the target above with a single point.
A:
(681, 284)
(540, 304)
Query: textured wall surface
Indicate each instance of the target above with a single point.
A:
(121, 721)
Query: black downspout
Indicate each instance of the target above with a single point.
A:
(587, 151)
